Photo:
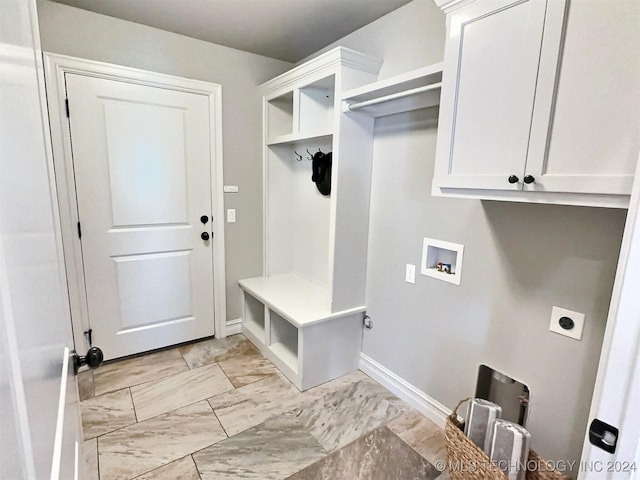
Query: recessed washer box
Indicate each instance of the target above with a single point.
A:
(442, 260)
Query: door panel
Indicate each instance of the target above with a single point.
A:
(489, 83)
(147, 164)
(593, 129)
(167, 299)
(142, 162)
(35, 326)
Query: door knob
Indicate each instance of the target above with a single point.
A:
(93, 359)
(204, 219)
(529, 179)
(513, 179)
(204, 236)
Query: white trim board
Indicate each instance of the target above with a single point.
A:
(56, 66)
(234, 327)
(430, 408)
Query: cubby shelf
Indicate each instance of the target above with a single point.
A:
(410, 91)
(292, 138)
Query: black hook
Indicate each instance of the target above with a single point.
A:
(298, 155)
(310, 154)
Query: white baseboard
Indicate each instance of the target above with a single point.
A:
(430, 408)
(234, 326)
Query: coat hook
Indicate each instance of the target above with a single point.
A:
(310, 154)
(299, 157)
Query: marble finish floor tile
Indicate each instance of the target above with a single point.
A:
(247, 368)
(134, 371)
(337, 384)
(424, 436)
(90, 453)
(161, 396)
(379, 455)
(183, 469)
(251, 405)
(107, 413)
(215, 350)
(85, 385)
(270, 451)
(347, 414)
(147, 445)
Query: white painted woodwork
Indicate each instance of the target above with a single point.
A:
(308, 353)
(141, 157)
(315, 246)
(617, 390)
(316, 102)
(489, 81)
(298, 300)
(555, 99)
(280, 112)
(409, 91)
(38, 433)
(593, 131)
(299, 216)
(57, 68)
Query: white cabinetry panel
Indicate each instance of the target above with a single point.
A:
(593, 131)
(488, 98)
(315, 244)
(540, 101)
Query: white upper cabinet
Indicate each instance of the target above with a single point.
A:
(540, 101)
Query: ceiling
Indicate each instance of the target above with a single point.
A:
(288, 30)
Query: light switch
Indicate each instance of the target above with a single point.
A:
(410, 274)
(231, 215)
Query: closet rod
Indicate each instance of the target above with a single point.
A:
(394, 96)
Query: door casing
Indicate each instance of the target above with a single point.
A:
(56, 66)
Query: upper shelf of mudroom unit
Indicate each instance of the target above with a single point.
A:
(410, 91)
(291, 138)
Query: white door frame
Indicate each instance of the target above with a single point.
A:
(56, 66)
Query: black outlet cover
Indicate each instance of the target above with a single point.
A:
(566, 323)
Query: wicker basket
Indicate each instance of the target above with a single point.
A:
(466, 461)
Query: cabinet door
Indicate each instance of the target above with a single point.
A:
(589, 143)
(489, 81)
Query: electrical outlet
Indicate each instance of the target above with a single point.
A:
(567, 322)
(231, 215)
(410, 274)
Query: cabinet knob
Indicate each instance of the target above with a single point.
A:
(513, 179)
(529, 179)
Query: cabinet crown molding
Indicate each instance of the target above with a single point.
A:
(339, 56)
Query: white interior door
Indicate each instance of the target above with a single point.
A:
(142, 167)
(39, 428)
(607, 453)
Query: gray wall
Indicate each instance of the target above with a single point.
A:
(519, 261)
(71, 31)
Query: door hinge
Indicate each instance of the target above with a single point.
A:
(66, 106)
(89, 336)
(79, 231)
